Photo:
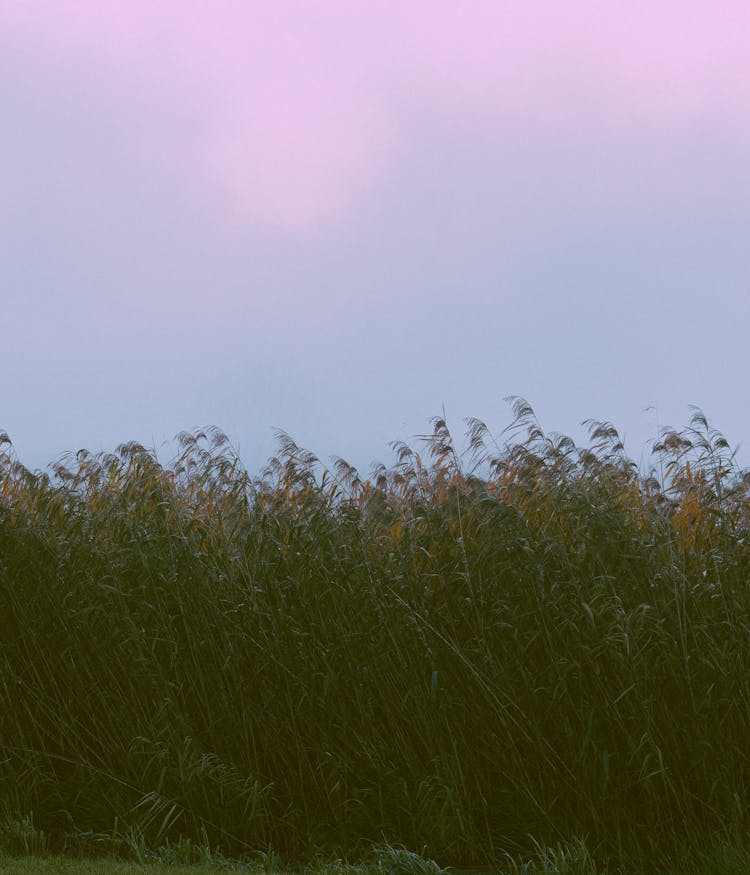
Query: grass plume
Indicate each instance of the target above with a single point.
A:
(475, 654)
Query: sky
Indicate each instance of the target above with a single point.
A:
(340, 218)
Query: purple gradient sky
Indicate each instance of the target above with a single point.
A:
(337, 217)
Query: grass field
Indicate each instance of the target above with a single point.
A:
(469, 654)
(63, 866)
(573, 861)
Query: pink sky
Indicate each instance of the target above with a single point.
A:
(335, 216)
(298, 110)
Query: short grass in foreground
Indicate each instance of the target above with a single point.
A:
(454, 653)
(67, 866)
(724, 860)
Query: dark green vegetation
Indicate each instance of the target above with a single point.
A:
(464, 655)
(385, 861)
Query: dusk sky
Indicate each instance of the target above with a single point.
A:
(336, 218)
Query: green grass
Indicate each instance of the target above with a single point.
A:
(574, 860)
(63, 866)
(473, 654)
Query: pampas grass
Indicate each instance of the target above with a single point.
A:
(472, 654)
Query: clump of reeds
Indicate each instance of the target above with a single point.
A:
(463, 653)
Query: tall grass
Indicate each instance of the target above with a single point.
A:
(471, 654)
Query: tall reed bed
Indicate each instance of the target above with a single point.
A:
(469, 654)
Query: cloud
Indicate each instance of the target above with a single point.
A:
(294, 112)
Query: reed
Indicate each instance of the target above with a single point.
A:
(468, 653)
